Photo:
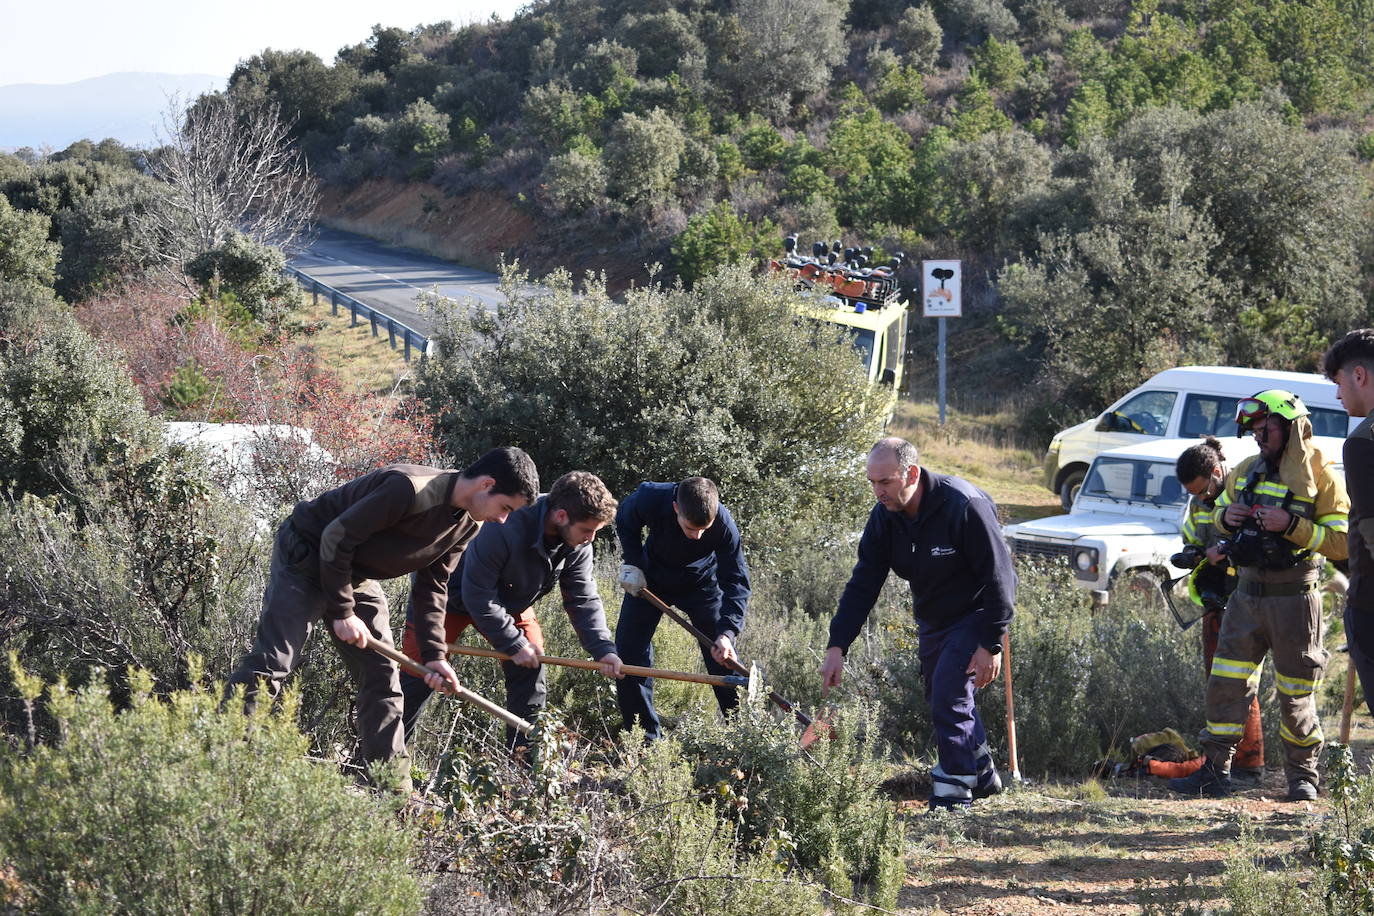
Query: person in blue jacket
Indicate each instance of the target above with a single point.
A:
(941, 534)
(692, 559)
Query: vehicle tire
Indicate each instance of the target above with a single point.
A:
(1069, 487)
(1140, 587)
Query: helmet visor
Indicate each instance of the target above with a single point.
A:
(1250, 411)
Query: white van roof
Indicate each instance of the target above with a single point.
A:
(1245, 382)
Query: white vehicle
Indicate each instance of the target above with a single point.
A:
(262, 465)
(1185, 403)
(1127, 519)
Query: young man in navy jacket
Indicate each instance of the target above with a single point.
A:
(691, 559)
(941, 534)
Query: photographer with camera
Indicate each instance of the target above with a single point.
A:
(1202, 471)
(1284, 511)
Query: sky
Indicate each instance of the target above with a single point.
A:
(62, 41)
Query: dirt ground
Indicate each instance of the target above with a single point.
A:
(1106, 848)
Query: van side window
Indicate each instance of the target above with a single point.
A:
(1330, 422)
(1208, 415)
(1147, 413)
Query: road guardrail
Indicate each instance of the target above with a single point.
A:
(409, 337)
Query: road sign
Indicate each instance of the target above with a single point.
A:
(940, 289)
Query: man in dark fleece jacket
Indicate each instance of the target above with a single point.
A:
(691, 558)
(941, 534)
(506, 570)
(328, 554)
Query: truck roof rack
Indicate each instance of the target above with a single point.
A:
(843, 273)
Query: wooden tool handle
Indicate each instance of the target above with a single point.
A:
(462, 693)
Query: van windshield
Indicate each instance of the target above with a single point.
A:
(1135, 480)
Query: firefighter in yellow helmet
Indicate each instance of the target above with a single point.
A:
(1284, 512)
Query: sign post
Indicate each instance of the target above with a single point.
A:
(940, 298)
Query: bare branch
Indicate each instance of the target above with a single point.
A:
(227, 165)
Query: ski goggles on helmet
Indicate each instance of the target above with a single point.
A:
(1250, 411)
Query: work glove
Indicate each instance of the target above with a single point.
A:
(632, 579)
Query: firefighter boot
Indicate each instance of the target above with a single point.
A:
(1209, 780)
(1301, 789)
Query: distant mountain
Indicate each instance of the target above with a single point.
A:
(125, 106)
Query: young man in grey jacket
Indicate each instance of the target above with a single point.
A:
(506, 569)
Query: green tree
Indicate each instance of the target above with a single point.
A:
(726, 379)
(1088, 114)
(249, 271)
(984, 181)
(721, 236)
(920, 37)
(59, 390)
(575, 182)
(999, 63)
(871, 161)
(642, 157)
(783, 49)
(977, 112)
(26, 255)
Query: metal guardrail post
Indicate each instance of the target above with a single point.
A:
(409, 337)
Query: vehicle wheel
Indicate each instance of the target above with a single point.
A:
(1140, 587)
(1069, 487)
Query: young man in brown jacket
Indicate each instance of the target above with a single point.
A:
(329, 554)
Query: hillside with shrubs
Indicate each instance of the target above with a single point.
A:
(1130, 185)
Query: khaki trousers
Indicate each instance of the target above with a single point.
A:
(1289, 627)
(292, 603)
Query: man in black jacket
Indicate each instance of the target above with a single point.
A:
(941, 534)
(508, 568)
(1350, 364)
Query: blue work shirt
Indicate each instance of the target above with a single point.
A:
(952, 553)
(675, 564)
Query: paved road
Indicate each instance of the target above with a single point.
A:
(389, 279)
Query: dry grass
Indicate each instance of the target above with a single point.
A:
(366, 363)
(983, 449)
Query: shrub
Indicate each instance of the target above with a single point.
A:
(720, 236)
(826, 806)
(919, 36)
(58, 387)
(576, 182)
(178, 806)
(642, 157)
(726, 380)
(26, 255)
(252, 272)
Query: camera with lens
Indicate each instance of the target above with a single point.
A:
(1253, 546)
(1189, 557)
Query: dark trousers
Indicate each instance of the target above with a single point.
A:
(945, 656)
(525, 689)
(1359, 636)
(634, 635)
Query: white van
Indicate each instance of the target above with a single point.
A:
(1185, 403)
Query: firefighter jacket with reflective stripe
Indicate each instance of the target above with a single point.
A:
(1198, 527)
(1319, 527)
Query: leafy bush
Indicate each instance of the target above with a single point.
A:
(727, 380)
(26, 255)
(826, 806)
(58, 389)
(179, 806)
(721, 236)
(252, 272)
